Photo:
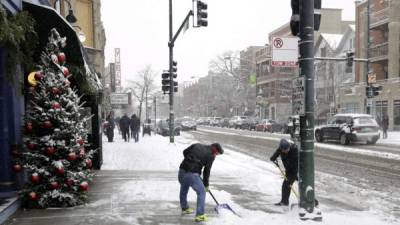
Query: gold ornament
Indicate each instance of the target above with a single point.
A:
(31, 79)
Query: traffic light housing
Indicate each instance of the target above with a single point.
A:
(175, 86)
(295, 19)
(165, 81)
(202, 14)
(349, 59)
(372, 91)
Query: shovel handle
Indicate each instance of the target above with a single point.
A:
(213, 197)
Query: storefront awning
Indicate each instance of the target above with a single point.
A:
(48, 18)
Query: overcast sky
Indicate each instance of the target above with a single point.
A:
(140, 29)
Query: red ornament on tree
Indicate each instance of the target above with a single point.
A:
(65, 71)
(61, 57)
(69, 182)
(17, 168)
(55, 91)
(33, 196)
(39, 75)
(31, 145)
(29, 127)
(54, 185)
(56, 105)
(71, 156)
(89, 163)
(81, 141)
(84, 186)
(50, 151)
(47, 124)
(82, 152)
(60, 170)
(35, 178)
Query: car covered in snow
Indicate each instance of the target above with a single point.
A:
(163, 128)
(347, 128)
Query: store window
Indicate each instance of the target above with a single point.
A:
(396, 114)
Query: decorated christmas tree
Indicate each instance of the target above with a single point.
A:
(55, 157)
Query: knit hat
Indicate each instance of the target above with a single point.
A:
(284, 144)
(218, 147)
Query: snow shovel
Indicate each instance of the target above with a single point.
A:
(221, 206)
(284, 176)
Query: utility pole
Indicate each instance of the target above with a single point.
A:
(368, 108)
(171, 87)
(306, 154)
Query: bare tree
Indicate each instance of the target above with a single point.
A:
(143, 86)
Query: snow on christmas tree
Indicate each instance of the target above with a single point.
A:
(55, 159)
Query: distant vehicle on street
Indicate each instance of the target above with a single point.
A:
(188, 124)
(163, 128)
(348, 128)
(238, 122)
(214, 121)
(292, 127)
(224, 122)
(267, 125)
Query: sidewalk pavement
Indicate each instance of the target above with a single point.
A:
(114, 200)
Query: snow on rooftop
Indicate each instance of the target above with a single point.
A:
(333, 40)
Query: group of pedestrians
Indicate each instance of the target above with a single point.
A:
(128, 127)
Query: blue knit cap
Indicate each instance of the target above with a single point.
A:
(284, 144)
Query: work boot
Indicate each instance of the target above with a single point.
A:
(281, 204)
(201, 218)
(187, 211)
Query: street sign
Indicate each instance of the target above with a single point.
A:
(369, 102)
(372, 78)
(298, 96)
(119, 99)
(285, 51)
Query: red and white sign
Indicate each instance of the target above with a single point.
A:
(285, 51)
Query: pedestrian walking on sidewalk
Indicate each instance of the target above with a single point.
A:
(110, 126)
(385, 125)
(196, 157)
(135, 126)
(124, 124)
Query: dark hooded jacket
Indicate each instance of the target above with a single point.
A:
(198, 156)
(290, 160)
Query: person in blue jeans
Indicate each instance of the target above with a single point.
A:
(196, 157)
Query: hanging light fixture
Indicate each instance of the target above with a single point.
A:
(70, 17)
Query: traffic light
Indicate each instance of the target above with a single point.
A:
(317, 14)
(376, 90)
(174, 68)
(202, 14)
(350, 59)
(368, 91)
(175, 86)
(165, 81)
(295, 19)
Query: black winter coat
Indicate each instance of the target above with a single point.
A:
(198, 156)
(124, 123)
(290, 160)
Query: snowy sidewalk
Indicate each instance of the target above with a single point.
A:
(138, 185)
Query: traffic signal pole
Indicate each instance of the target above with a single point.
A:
(171, 78)
(306, 153)
(171, 42)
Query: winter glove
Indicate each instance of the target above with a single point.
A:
(207, 189)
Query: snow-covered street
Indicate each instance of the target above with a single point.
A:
(250, 186)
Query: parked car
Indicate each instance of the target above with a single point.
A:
(163, 128)
(188, 124)
(214, 121)
(347, 128)
(224, 122)
(239, 122)
(252, 123)
(269, 125)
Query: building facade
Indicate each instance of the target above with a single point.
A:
(378, 39)
(274, 84)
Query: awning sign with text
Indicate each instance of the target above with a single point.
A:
(119, 99)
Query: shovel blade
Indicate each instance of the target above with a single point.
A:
(224, 206)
